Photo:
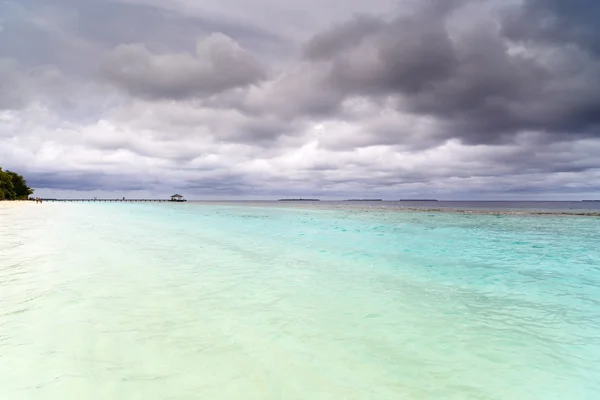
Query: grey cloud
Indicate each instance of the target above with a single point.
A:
(296, 94)
(342, 37)
(258, 130)
(92, 181)
(290, 19)
(39, 36)
(20, 86)
(403, 55)
(174, 121)
(161, 27)
(72, 34)
(223, 183)
(227, 184)
(84, 181)
(556, 21)
(475, 79)
(218, 65)
(13, 93)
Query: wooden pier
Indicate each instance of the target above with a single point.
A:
(176, 198)
(114, 200)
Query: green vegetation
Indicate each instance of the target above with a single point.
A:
(13, 186)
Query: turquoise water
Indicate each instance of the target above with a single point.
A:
(193, 301)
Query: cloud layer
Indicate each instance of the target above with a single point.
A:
(451, 99)
(219, 64)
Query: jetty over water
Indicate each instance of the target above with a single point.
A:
(111, 200)
(177, 198)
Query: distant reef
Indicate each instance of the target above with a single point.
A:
(417, 200)
(13, 186)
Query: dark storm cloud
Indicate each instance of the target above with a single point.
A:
(84, 181)
(556, 22)
(92, 181)
(477, 79)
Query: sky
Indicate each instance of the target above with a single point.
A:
(237, 99)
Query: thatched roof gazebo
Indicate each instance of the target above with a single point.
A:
(177, 197)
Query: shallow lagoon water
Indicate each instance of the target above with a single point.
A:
(195, 301)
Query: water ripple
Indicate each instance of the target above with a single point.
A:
(188, 301)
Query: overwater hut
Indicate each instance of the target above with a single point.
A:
(177, 197)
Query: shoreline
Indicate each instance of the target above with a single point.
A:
(16, 202)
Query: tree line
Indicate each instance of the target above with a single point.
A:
(13, 186)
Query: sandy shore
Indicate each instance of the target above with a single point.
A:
(16, 203)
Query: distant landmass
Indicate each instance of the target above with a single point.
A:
(364, 200)
(298, 200)
(417, 200)
(591, 201)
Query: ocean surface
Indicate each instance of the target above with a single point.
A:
(479, 207)
(297, 301)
